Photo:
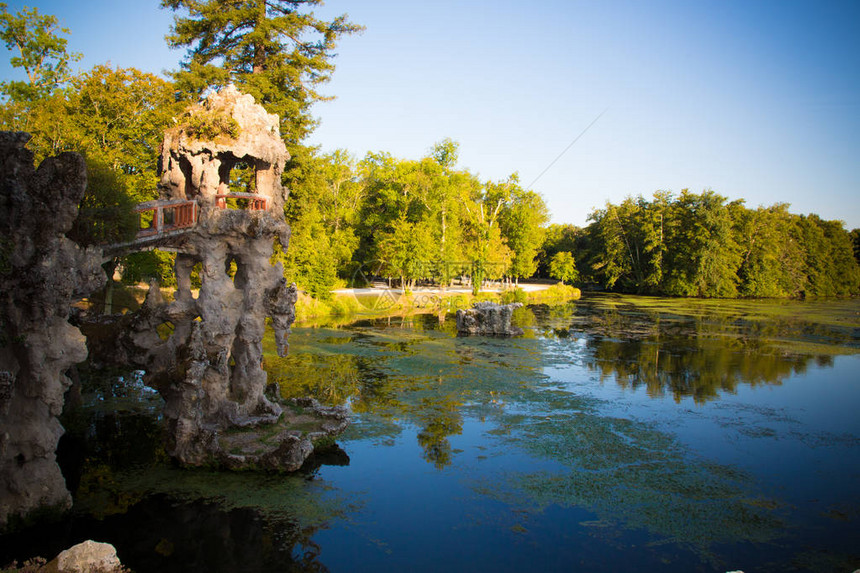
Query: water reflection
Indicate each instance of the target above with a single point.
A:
(701, 367)
(165, 534)
(690, 351)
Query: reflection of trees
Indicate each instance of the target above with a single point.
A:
(439, 418)
(161, 534)
(424, 375)
(697, 355)
(331, 379)
(699, 367)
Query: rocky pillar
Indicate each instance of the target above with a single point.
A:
(41, 273)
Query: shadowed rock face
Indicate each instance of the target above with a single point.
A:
(488, 319)
(41, 273)
(209, 370)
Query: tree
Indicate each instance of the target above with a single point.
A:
(120, 115)
(559, 238)
(322, 210)
(488, 251)
(855, 241)
(829, 265)
(702, 255)
(272, 49)
(523, 223)
(614, 231)
(445, 153)
(448, 188)
(41, 53)
(772, 258)
(563, 267)
(406, 251)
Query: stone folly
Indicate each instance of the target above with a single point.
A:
(488, 319)
(41, 273)
(209, 369)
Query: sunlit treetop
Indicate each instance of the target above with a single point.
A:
(41, 52)
(276, 50)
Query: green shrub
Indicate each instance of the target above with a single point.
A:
(486, 297)
(343, 306)
(516, 295)
(556, 293)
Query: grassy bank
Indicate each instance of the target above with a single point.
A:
(393, 302)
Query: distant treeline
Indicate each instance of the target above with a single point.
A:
(701, 245)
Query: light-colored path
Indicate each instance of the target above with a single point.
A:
(527, 287)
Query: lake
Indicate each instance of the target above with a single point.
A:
(620, 433)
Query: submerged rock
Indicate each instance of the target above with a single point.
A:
(41, 273)
(488, 319)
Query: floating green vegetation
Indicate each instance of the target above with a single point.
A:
(636, 476)
(273, 496)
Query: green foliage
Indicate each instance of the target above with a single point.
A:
(106, 213)
(41, 53)
(559, 238)
(206, 124)
(563, 267)
(516, 295)
(147, 265)
(405, 250)
(699, 245)
(445, 152)
(772, 260)
(556, 293)
(114, 117)
(523, 222)
(829, 263)
(337, 306)
(855, 242)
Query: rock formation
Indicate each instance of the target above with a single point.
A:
(86, 557)
(488, 319)
(209, 369)
(41, 273)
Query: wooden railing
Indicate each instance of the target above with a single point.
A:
(255, 202)
(157, 217)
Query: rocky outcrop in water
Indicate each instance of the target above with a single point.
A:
(41, 273)
(488, 319)
(204, 354)
(86, 557)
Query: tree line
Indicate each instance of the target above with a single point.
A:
(406, 220)
(703, 245)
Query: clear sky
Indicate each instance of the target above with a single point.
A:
(754, 99)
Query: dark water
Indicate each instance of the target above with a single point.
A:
(618, 434)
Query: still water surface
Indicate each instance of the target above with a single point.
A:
(618, 434)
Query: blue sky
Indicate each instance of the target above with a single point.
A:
(754, 99)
